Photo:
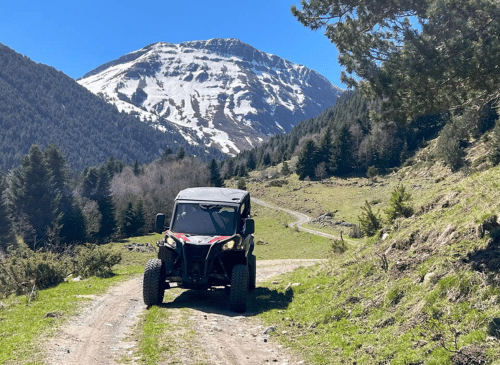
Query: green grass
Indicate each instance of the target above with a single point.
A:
(23, 325)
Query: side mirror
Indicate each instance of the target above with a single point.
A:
(249, 227)
(160, 223)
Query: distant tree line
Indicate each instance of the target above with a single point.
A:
(46, 206)
(353, 138)
(346, 138)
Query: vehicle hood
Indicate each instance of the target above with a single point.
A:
(194, 239)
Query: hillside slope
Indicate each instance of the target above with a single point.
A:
(425, 290)
(39, 104)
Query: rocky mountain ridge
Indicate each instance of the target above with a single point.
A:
(222, 93)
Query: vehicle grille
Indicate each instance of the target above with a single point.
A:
(196, 252)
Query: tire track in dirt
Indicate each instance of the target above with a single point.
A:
(97, 335)
(227, 338)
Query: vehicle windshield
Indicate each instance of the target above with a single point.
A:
(204, 219)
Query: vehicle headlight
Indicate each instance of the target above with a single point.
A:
(228, 245)
(171, 242)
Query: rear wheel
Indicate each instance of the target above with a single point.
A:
(239, 288)
(252, 272)
(153, 283)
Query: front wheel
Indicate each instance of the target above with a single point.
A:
(239, 288)
(152, 286)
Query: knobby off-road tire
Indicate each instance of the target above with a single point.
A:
(239, 288)
(252, 272)
(152, 287)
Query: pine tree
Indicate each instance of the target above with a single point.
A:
(242, 184)
(215, 179)
(139, 218)
(343, 156)
(6, 233)
(136, 168)
(72, 222)
(450, 147)
(106, 206)
(34, 199)
(251, 164)
(181, 153)
(127, 221)
(370, 222)
(325, 149)
(494, 155)
(266, 159)
(114, 166)
(399, 204)
(96, 187)
(285, 169)
(229, 169)
(420, 57)
(307, 160)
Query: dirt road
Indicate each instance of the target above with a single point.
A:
(98, 335)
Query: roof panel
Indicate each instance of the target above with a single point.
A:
(210, 194)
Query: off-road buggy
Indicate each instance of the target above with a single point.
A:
(209, 243)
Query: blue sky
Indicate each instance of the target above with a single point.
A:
(78, 36)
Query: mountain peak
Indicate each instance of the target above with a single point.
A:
(219, 92)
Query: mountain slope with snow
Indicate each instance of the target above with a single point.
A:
(221, 93)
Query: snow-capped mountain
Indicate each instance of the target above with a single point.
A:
(222, 92)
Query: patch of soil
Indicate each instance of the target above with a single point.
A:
(470, 355)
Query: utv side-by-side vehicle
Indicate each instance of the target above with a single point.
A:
(209, 243)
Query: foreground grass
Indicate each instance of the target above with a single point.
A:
(163, 336)
(334, 319)
(23, 323)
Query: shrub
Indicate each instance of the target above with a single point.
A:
(372, 171)
(25, 269)
(95, 260)
(277, 183)
(356, 232)
(242, 184)
(338, 246)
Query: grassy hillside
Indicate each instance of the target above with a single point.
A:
(426, 290)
